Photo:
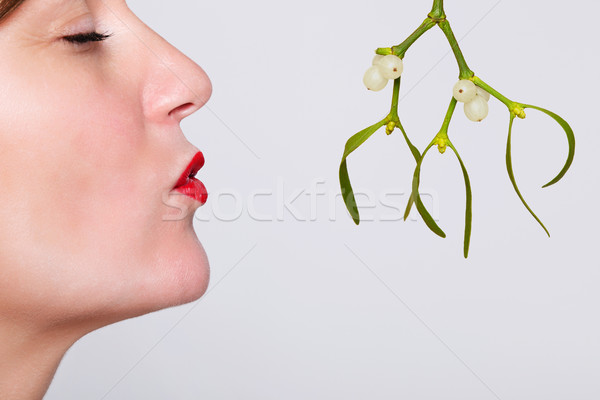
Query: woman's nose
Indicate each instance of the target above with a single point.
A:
(175, 86)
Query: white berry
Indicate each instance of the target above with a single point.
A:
(477, 109)
(483, 94)
(464, 91)
(391, 66)
(373, 79)
(377, 59)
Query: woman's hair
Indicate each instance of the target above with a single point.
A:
(8, 6)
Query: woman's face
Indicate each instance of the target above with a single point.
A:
(90, 151)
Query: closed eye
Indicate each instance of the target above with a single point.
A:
(82, 38)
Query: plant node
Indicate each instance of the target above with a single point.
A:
(390, 127)
(518, 111)
(441, 140)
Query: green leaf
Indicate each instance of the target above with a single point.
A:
(570, 139)
(512, 177)
(468, 209)
(417, 155)
(429, 221)
(415, 152)
(409, 205)
(352, 144)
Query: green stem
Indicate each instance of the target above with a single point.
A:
(401, 49)
(508, 102)
(465, 71)
(513, 107)
(395, 95)
(448, 116)
(441, 139)
(437, 11)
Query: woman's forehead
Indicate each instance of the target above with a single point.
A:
(47, 15)
(55, 6)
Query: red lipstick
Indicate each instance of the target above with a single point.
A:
(188, 184)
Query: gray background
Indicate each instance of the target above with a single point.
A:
(322, 309)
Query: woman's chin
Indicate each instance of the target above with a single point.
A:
(186, 277)
(175, 277)
(179, 274)
(191, 283)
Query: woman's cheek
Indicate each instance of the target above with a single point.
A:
(88, 164)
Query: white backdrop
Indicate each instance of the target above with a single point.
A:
(303, 304)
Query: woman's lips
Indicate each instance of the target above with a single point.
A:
(188, 184)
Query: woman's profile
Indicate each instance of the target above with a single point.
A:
(97, 179)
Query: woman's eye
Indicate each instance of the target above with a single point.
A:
(82, 38)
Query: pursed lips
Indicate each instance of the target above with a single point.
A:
(188, 184)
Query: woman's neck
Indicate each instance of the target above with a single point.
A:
(29, 359)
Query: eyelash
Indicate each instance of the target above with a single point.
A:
(82, 38)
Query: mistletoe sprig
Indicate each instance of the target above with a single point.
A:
(470, 90)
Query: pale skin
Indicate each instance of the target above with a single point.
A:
(90, 149)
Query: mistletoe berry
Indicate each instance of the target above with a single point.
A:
(483, 94)
(391, 66)
(464, 91)
(377, 59)
(374, 79)
(477, 109)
